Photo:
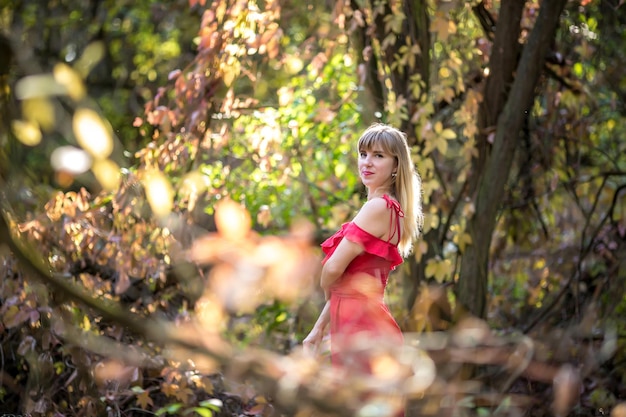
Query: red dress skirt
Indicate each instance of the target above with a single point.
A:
(359, 319)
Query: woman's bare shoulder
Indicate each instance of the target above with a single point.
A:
(375, 206)
(370, 216)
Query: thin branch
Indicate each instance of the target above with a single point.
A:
(455, 204)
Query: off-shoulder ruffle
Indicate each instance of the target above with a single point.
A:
(370, 243)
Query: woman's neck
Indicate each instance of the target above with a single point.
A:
(379, 192)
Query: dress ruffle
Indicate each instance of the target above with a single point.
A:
(370, 243)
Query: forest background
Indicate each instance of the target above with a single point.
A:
(167, 170)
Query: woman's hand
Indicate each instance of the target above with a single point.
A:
(313, 341)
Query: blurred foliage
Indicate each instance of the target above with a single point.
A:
(178, 160)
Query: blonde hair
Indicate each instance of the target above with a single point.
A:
(406, 186)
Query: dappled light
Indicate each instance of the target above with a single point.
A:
(159, 192)
(70, 159)
(232, 220)
(92, 133)
(27, 132)
(108, 174)
(71, 80)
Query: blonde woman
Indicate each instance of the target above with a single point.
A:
(360, 256)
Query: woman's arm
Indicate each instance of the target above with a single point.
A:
(313, 341)
(336, 265)
(372, 218)
(368, 219)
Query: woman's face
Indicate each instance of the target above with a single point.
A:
(376, 167)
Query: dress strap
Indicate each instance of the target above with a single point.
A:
(393, 204)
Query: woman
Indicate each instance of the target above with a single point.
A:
(361, 254)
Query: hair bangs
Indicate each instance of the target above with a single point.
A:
(376, 139)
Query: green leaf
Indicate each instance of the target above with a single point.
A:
(204, 412)
(212, 404)
(577, 69)
(169, 409)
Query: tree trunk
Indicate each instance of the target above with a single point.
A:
(492, 169)
(6, 57)
(416, 28)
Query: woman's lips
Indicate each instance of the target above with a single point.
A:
(366, 173)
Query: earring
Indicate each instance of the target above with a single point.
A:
(394, 174)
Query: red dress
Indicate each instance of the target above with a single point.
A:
(359, 318)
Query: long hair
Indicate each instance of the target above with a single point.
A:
(406, 186)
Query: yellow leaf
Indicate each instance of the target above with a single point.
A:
(462, 240)
(169, 389)
(393, 22)
(107, 173)
(448, 134)
(448, 94)
(451, 27)
(143, 399)
(428, 147)
(462, 175)
(231, 69)
(68, 78)
(444, 72)
(424, 165)
(469, 150)
(438, 269)
(431, 268)
(92, 134)
(26, 132)
(159, 192)
(431, 221)
(93, 53)
(389, 40)
(428, 187)
(183, 394)
(86, 323)
(40, 111)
